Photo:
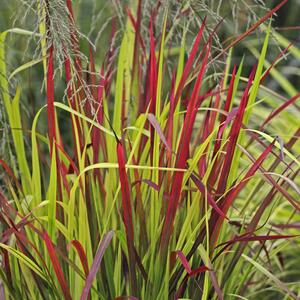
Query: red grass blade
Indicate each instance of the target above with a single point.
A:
(50, 99)
(189, 63)
(153, 70)
(233, 193)
(187, 266)
(72, 100)
(246, 238)
(216, 221)
(125, 192)
(68, 78)
(139, 204)
(171, 117)
(6, 267)
(199, 271)
(70, 8)
(224, 121)
(280, 109)
(182, 156)
(233, 137)
(136, 24)
(97, 137)
(92, 76)
(184, 261)
(228, 120)
(127, 214)
(191, 273)
(56, 266)
(82, 256)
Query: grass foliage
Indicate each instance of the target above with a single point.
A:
(155, 178)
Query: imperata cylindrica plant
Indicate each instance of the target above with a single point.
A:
(150, 150)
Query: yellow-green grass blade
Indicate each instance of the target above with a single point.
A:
(24, 259)
(52, 196)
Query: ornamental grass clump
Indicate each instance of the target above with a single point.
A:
(163, 179)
